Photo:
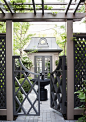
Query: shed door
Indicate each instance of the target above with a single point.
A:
(43, 64)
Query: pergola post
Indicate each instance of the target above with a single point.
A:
(70, 71)
(9, 86)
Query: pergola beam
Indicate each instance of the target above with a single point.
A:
(47, 20)
(34, 7)
(9, 7)
(47, 16)
(68, 7)
(42, 7)
(77, 7)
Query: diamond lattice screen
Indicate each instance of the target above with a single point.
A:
(79, 65)
(58, 87)
(2, 72)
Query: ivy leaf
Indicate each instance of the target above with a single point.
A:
(81, 95)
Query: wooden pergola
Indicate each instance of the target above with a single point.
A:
(58, 13)
(41, 12)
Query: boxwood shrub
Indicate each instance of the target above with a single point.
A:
(20, 97)
(26, 86)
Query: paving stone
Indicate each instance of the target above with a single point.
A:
(35, 120)
(72, 121)
(39, 119)
(46, 115)
(31, 120)
(48, 119)
(44, 121)
(19, 121)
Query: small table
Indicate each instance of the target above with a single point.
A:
(43, 91)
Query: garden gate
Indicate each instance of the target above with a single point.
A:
(58, 87)
(21, 95)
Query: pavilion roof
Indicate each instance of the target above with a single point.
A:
(48, 45)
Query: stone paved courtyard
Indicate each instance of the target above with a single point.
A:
(47, 114)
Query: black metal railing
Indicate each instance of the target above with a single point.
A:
(25, 102)
(58, 86)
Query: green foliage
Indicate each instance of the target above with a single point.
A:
(2, 27)
(82, 96)
(56, 62)
(82, 9)
(62, 39)
(26, 86)
(82, 92)
(21, 8)
(57, 84)
(32, 51)
(82, 119)
(21, 36)
(20, 97)
(54, 13)
(27, 62)
(48, 7)
(48, 75)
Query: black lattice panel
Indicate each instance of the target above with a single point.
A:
(58, 87)
(79, 65)
(2, 72)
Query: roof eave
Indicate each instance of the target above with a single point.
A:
(55, 50)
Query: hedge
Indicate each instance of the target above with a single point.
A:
(26, 86)
(20, 97)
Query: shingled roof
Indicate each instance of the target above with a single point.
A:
(43, 44)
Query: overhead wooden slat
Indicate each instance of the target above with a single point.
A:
(12, 9)
(42, 7)
(34, 7)
(68, 6)
(9, 6)
(77, 7)
(65, 3)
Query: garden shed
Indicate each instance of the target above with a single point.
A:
(45, 55)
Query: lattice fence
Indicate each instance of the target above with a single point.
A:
(58, 87)
(79, 65)
(2, 71)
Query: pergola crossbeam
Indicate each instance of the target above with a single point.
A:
(47, 16)
(42, 7)
(34, 7)
(9, 6)
(68, 7)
